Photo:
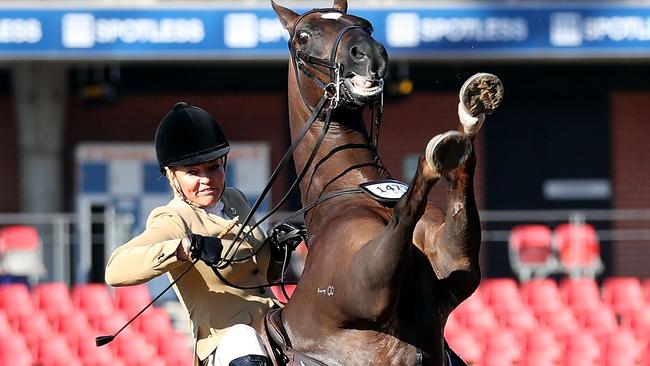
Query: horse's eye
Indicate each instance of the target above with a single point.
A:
(303, 37)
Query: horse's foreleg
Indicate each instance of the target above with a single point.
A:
(481, 94)
(377, 263)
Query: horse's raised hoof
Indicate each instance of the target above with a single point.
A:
(481, 93)
(447, 151)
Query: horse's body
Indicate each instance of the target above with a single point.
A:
(378, 283)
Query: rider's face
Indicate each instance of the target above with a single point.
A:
(203, 183)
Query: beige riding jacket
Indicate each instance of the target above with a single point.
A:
(212, 306)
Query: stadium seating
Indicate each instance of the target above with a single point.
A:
(47, 336)
(579, 249)
(131, 299)
(94, 299)
(573, 321)
(20, 255)
(530, 251)
(52, 298)
(15, 300)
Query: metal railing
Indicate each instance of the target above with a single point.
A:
(68, 238)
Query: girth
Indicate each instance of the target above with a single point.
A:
(280, 344)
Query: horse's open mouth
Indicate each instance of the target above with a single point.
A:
(363, 88)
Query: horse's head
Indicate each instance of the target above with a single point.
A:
(335, 51)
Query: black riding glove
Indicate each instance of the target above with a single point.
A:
(283, 239)
(206, 248)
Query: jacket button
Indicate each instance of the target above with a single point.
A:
(261, 291)
(256, 271)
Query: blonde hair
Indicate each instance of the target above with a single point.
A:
(176, 187)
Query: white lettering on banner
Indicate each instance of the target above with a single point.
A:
(617, 29)
(565, 29)
(19, 30)
(240, 30)
(143, 30)
(84, 30)
(571, 29)
(246, 30)
(403, 29)
(408, 29)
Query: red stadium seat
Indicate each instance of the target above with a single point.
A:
(520, 321)
(579, 249)
(176, 349)
(16, 300)
(541, 295)
(91, 355)
(623, 294)
(544, 341)
(34, 328)
(131, 299)
(53, 298)
(501, 294)
(54, 351)
(638, 320)
(530, 251)
(93, 298)
(482, 323)
(13, 344)
(491, 358)
(576, 358)
(73, 325)
(624, 347)
(581, 294)
(134, 350)
(583, 343)
(109, 324)
(561, 322)
(466, 346)
(20, 251)
(5, 325)
(539, 358)
(154, 323)
(600, 322)
(505, 343)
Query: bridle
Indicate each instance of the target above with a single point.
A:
(303, 61)
(327, 104)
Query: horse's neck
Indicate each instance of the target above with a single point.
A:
(345, 146)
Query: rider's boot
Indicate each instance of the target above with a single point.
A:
(481, 94)
(251, 360)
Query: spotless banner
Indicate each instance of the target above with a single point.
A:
(489, 30)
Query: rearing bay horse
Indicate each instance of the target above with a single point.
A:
(379, 282)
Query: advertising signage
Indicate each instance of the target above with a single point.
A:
(216, 33)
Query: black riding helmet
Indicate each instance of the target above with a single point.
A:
(188, 135)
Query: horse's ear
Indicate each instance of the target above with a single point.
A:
(286, 16)
(341, 5)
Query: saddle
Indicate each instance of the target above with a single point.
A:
(279, 343)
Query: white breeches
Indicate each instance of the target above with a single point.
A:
(239, 340)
